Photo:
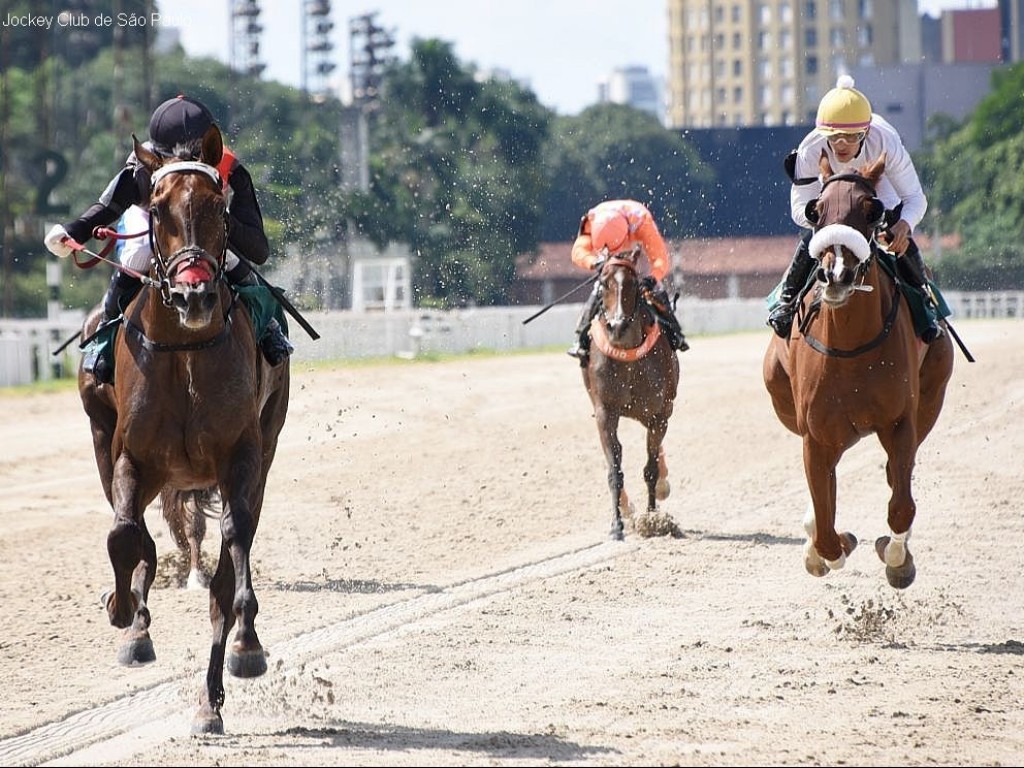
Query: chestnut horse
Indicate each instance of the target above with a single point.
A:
(854, 366)
(632, 372)
(194, 409)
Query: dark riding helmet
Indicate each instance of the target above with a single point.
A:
(177, 123)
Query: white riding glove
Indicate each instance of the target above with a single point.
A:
(56, 242)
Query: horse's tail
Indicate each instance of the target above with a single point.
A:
(186, 513)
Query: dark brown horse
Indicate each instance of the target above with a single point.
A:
(193, 409)
(854, 366)
(632, 372)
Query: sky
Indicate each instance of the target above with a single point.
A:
(561, 49)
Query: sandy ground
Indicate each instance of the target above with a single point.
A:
(437, 587)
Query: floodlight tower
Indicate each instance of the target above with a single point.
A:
(316, 46)
(245, 38)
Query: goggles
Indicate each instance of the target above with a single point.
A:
(847, 138)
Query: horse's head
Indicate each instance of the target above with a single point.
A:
(620, 291)
(845, 217)
(188, 227)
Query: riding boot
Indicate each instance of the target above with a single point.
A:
(911, 268)
(658, 299)
(781, 316)
(581, 348)
(122, 290)
(98, 357)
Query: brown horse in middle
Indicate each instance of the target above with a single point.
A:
(852, 367)
(632, 371)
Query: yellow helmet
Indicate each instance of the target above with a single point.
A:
(844, 109)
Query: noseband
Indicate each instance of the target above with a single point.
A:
(191, 254)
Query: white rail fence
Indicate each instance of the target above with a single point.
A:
(26, 346)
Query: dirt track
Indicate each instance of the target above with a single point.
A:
(436, 586)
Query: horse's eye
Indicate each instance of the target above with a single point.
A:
(154, 214)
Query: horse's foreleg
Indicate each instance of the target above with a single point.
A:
(208, 718)
(663, 488)
(655, 464)
(826, 549)
(607, 427)
(900, 444)
(133, 558)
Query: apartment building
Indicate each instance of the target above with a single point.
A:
(768, 62)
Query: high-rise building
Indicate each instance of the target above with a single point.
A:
(768, 62)
(634, 86)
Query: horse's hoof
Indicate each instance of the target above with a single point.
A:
(848, 542)
(207, 722)
(136, 651)
(902, 576)
(247, 663)
(662, 490)
(813, 562)
(617, 534)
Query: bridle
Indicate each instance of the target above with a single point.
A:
(191, 253)
(860, 274)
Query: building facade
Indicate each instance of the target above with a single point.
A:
(768, 62)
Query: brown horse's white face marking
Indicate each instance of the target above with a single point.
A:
(188, 216)
(846, 214)
(618, 281)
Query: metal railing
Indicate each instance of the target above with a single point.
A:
(26, 346)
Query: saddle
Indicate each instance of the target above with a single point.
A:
(98, 349)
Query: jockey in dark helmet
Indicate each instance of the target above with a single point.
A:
(176, 129)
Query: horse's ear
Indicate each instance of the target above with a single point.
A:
(213, 146)
(150, 160)
(875, 170)
(824, 166)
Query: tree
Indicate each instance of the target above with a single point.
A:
(455, 172)
(612, 151)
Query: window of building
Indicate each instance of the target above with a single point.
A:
(837, 37)
(764, 68)
(786, 97)
(764, 41)
(865, 9)
(864, 36)
(811, 65)
(737, 68)
(719, 68)
(719, 42)
(719, 14)
(737, 41)
(785, 40)
(866, 59)
(786, 68)
(836, 10)
(737, 13)
(719, 95)
(810, 10)
(785, 12)
(737, 95)
(810, 38)
(765, 96)
(764, 13)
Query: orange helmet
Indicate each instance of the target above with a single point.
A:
(609, 229)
